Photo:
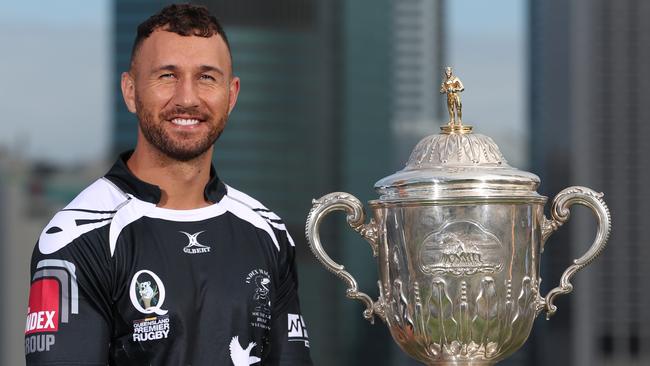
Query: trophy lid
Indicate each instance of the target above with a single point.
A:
(457, 164)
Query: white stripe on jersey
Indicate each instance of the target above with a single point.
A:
(284, 228)
(196, 214)
(246, 213)
(244, 198)
(133, 210)
(259, 209)
(91, 209)
(269, 215)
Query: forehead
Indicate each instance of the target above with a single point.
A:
(168, 48)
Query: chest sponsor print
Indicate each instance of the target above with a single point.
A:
(147, 293)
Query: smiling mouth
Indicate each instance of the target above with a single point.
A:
(185, 121)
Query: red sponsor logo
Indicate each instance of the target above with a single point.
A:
(43, 311)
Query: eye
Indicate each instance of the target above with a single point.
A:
(167, 76)
(207, 77)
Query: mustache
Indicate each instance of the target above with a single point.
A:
(188, 112)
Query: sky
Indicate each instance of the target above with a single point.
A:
(55, 90)
(54, 72)
(487, 48)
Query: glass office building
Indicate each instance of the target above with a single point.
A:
(589, 81)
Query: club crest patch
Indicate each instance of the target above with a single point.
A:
(260, 281)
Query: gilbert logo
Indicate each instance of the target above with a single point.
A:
(194, 247)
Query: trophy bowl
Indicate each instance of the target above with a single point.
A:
(458, 235)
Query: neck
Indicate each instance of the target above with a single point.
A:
(182, 183)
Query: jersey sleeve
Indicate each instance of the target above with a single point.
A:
(289, 338)
(68, 314)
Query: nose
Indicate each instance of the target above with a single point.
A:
(186, 94)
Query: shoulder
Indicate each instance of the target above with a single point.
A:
(93, 208)
(254, 206)
(259, 213)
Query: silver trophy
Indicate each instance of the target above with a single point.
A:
(458, 234)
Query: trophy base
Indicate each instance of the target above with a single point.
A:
(455, 128)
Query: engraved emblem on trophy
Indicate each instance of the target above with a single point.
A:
(460, 248)
(458, 234)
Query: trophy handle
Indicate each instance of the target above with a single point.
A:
(560, 214)
(355, 217)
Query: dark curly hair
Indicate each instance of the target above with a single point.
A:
(182, 19)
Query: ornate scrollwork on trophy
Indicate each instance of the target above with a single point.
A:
(461, 248)
(477, 323)
(369, 232)
(457, 149)
(560, 211)
(341, 201)
(401, 310)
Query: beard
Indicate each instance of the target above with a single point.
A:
(181, 147)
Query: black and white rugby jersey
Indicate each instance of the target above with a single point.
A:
(117, 280)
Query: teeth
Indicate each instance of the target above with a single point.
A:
(185, 122)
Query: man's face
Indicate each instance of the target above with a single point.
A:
(182, 90)
(448, 72)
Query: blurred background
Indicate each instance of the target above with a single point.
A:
(335, 94)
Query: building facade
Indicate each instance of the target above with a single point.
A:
(589, 80)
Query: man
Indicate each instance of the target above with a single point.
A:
(452, 86)
(159, 262)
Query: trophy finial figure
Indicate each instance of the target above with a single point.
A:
(452, 86)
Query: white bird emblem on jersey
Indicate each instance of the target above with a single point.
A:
(194, 246)
(241, 356)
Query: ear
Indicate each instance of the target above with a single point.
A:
(128, 91)
(233, 93)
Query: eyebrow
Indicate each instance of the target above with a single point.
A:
(166, 68)
(203, 68)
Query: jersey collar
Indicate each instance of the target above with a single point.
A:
(121, 176)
